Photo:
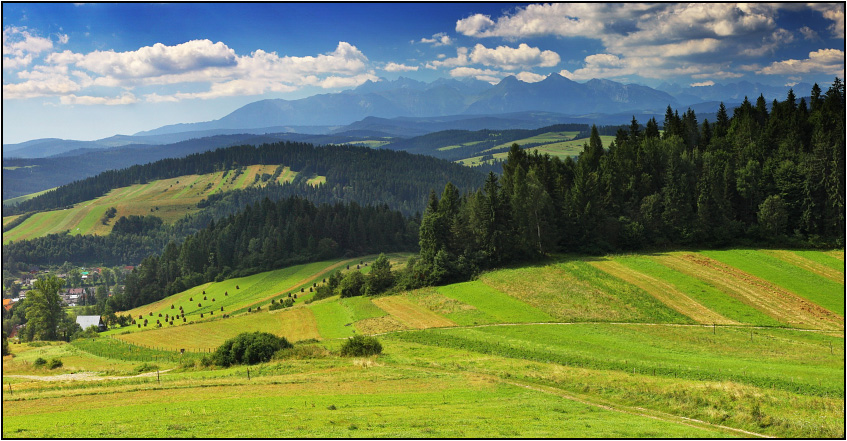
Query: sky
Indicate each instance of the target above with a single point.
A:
(89, 71)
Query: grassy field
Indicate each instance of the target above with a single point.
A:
(678, 344)
(19, 199)
(556, 144)
(170, 199)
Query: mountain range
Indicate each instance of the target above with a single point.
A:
(407, 107)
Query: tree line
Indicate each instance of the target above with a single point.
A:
(759, 176)
(263, 237)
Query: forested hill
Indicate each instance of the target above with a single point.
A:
(265, 236)
(758, 177)
(360, 174)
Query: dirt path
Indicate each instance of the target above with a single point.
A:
(83, 376)
(664, 292)
(773, 300)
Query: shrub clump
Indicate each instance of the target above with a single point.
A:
(39, 362)
(55, 363)
(249, 348)
(361, 346)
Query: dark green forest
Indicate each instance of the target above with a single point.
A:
(755, 177)
(267, 236)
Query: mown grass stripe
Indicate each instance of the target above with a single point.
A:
(664, 292)
(796, 279)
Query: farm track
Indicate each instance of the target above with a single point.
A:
(83, 376)
(775, 301)
(807, 264)
(831, 332)
(603, 404)
(664, 292)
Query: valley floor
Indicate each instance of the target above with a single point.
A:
(734, 343)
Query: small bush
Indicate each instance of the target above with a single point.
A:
(361, 346)
(39, 362)
(55, 363)
(146, 367)
(249, 348)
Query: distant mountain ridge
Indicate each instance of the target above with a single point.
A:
(389, 107)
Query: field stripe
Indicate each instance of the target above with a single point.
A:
(783, 305)
(664, 292)
(807, 264)
(410, 314)
(294, 324)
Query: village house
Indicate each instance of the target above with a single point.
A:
(87, 321)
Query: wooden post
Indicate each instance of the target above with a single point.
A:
(157, 376)
(714, 328)
(248, 373)
(10, 389)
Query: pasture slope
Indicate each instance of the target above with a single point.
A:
(729, 343)
(170, 199)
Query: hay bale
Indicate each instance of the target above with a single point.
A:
(311, 289)
(204, 297)
(172, 322)
(249, 309)
(183, 319)
(172, 306)
(302, 290)
(191, 299)
(226, 293)
(236, 287)
(222, 308)
(160, 314)
(295, 296)
(211, 312)
(204, 291)
(213, 299)
(199, 305)
(139, 325)
(201, 315)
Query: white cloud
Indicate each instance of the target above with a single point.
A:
(20, 47)
(461, 59)
(653, 40)
(829, 61)
(439, 39)
(529, 77)
(395, 67)
(196, 61)
(809, 33)
(703, 84)
(123, 99)
(159, 60)
(475, 25)
(833, 12)
(509, 58)
(489, 75)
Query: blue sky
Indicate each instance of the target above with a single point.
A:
(88, 71)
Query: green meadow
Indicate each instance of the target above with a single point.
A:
(170, 199)
(583, 347)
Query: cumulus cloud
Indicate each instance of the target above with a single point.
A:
(395, 67)
(439, 39)
(196, 61)
(159, 60)
(461, 59)
(489, 75)
(529, 77)
(829, 61)
(125, 98)
(809, 33)
(833, 12)
(653, 40)
(20, 47)
(512, 58)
